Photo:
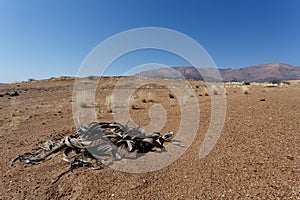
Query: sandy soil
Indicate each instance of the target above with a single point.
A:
(256, 157)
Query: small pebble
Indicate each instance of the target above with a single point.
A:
(290, 157)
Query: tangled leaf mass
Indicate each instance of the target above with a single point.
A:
(104, 142)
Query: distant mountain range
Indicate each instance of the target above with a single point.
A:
(256, 73)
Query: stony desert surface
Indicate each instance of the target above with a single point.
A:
(256, 157)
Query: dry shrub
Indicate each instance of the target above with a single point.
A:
(245, 89)
(133, 103)
(214, 89)
(108, 102)
(141, 95)
(146, 95)
(206, 93)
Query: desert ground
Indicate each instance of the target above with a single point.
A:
(256, 157)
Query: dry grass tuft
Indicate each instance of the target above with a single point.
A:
(141, 95)
(206, 93)
(146, 95)
(108, 104)
(245, 89)
(133, 104)
(214, 89)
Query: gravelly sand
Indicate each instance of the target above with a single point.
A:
(256, 157)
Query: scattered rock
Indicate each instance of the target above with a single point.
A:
(28, 117)
(290, 157)
(262, 99)
(14, 94)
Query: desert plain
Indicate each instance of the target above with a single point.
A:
(257, 155)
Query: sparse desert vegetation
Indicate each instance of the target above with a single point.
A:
(206, 93)
(108, 102)
(214, 90)
(150, 100)
(245, 89)
(146, 95)
(134, 104)
(142, 95)
(256, 156)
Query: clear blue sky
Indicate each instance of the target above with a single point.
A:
(45, 38)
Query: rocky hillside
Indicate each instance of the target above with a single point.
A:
(257, 73)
